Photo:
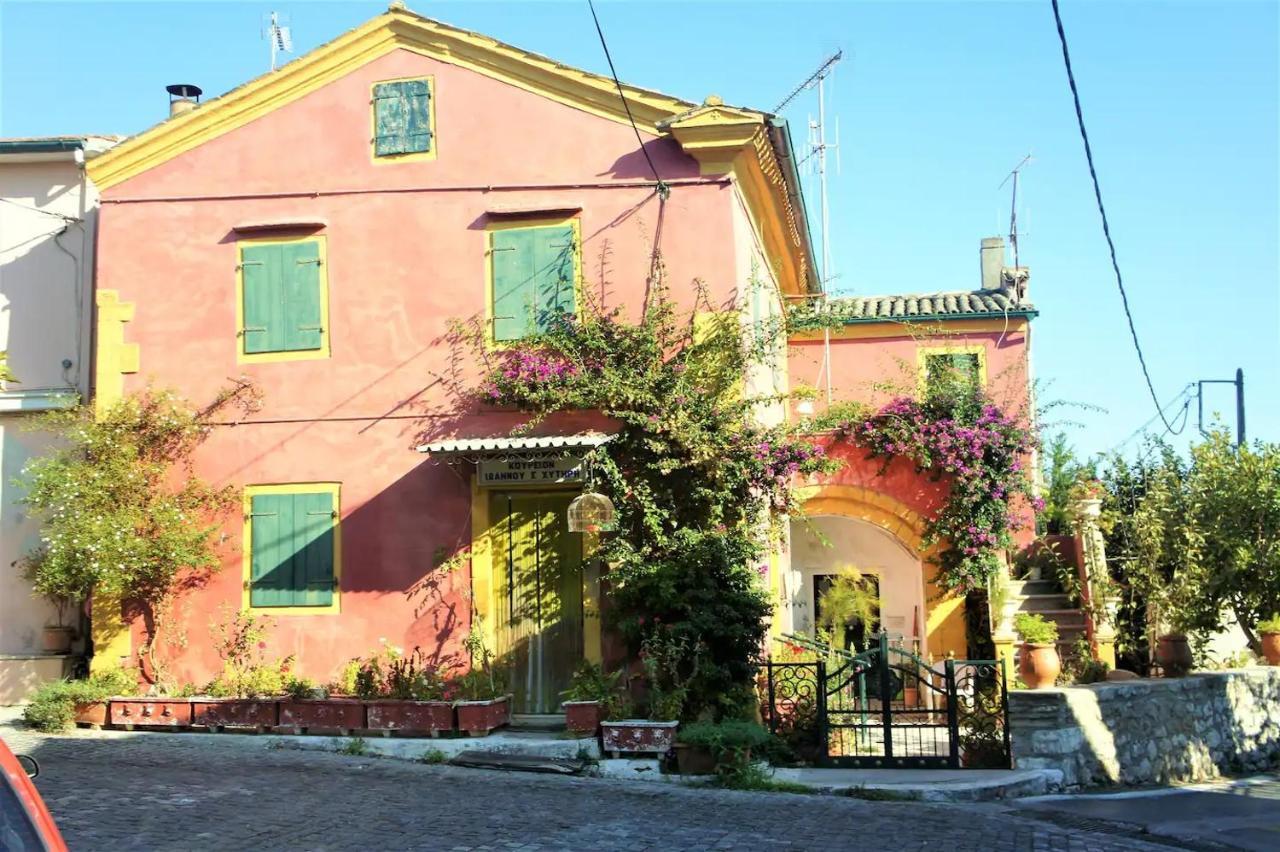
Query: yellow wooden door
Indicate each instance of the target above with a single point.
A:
(539, 592)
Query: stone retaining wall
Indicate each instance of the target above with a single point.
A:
(1150, 731)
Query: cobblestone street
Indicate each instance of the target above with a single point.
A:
(186, 792)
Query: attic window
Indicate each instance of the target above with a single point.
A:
(402, 118)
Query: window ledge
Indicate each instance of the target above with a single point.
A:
(304, 223)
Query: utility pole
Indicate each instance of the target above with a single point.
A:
(1238, 381)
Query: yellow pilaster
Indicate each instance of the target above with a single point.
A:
(482, 566)
(1005, 646)
(112, 361)
(592, 644)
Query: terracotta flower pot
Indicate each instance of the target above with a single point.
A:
(328, 715)
(429, 718)
(1271, 648)
(638, 736)
(694, 759)
(1173, 653)
(216, 714)
(56, 640)
(582, 717)
(478, 718)
(129, 713)
(1039, 664)
(93, 714)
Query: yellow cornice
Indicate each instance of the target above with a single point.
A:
(908, 328)
(394, 30)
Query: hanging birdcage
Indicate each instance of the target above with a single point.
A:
(591, 512)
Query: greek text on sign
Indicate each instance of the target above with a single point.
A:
(546, 471)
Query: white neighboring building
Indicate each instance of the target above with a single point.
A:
(48, 216)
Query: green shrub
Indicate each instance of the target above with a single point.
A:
(53, 706)
(1035, 629)
(1270, 625)
(590, 683)
(723, 738)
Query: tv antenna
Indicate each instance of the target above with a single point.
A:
(1013, 206)
(818, 146)
(278, 35)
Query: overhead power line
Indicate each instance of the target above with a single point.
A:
(662, 187)
(1106, 228)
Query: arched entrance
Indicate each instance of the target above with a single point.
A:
(825, 545)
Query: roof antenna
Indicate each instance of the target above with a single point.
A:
(818, 145)
(279, 36)
(1013, 207)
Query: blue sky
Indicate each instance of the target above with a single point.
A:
(936, 103)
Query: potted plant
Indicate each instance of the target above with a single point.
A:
(481, 703)
(1039, 663)
(592, 696)
(244, 694)
(414, 702)
(310, 709)
(1270, 633)
(56, 706)
(703, 747)
(670, 662)
(56, 638)
(1173, 654)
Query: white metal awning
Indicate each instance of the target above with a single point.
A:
(506, 447)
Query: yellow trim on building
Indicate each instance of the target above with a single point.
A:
(323, 352)
(396, 29)
(430, 153)
(483, 607)
(112, 643)
(912, 328)
(924, 353)
(246, 551)
(516, 224)
(944, 617)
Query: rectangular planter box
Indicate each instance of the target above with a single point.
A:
(92, 715)
(638, 736)
(478, 718)
(582, 717)
(328, 715)
(218, 713)
(429, 718)
(130, 713)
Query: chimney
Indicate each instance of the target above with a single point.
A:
(183, 97)
(992, 262)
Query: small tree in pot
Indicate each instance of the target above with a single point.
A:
(1269, 630)
(592, 696)
(703, 747)
(1039, 663)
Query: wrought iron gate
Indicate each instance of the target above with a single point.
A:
(886, 707)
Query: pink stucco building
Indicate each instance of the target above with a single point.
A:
(318, 229)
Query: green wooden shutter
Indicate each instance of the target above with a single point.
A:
(557, 251)
(271, 565)
(262, 275)
(402, 117)
(301, 296)
(514, 258)
(292, 549)
(313, 549)
(417, 98)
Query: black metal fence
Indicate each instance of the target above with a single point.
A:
(887, 707)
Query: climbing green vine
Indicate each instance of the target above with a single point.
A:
(698, 484)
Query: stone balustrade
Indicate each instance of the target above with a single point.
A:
(1150, 730)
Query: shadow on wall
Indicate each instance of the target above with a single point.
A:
(1151, 731)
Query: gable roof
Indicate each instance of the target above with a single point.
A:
(913, 307)
(397, 28)
(767, 172)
